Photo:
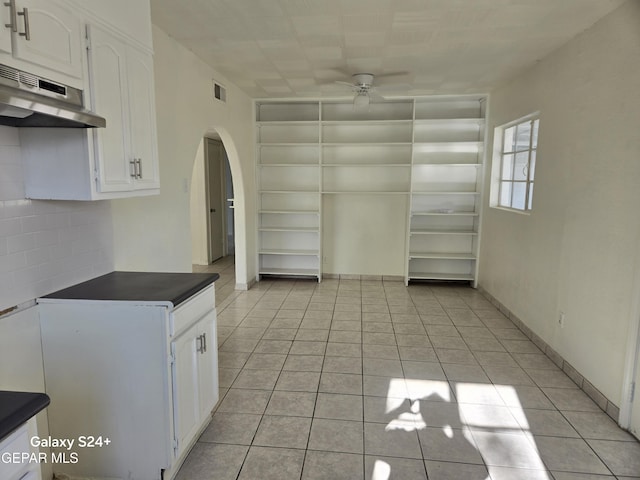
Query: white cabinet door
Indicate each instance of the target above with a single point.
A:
(186, 412)
(122, 91)
(143, 118)
(208, 365)
(54, 37)
(108, 70)
(5, 32)
(195, 378)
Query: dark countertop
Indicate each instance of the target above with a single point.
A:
(139, 286)
(18, 407)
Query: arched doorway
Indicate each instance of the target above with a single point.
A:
(218, 214)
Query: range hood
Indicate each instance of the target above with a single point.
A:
(28, 100)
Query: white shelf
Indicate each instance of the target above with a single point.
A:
(287, 111)
(288, 191)
(365, 143)
(367, 133)
(302, 272)
(311, 253)
(445, 214)
(444, 164)
(443, 232)
(391, 110)
(440, 276)
(445, 193)
(289, 144)
(407, 122)
(364, 192)
(268, 165)
(290, 212)
(449, 121)
(470, 146)
(287, 122)
(289, 229)
(369, 165)
(442, 256)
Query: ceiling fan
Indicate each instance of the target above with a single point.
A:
(363, 89)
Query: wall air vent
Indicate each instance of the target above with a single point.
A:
(219, 92)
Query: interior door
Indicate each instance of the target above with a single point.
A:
(215, 178)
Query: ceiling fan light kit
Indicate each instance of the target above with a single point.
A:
(361, 100)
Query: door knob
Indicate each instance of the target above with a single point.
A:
(212, 210)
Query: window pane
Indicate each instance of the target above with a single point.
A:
(532, 167)
(523, 136)
(509, 134)
(521, 166)
(530, 196)
(507, 167)
(519, 191)
(505, 194)
(534, 140)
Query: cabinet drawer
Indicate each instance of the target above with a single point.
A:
(17, 443)
(192, 310)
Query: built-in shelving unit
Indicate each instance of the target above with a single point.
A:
(448, 146)
(392, 189)
(289, 189)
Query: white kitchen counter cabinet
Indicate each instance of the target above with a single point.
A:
(143, 373)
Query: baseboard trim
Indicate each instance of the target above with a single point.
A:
(583, 384)
(245, 286)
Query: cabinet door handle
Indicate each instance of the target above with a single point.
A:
(199, 344)
(133, 171)
(140, 168)
(204, 342)
(13, 14)
(27, 30)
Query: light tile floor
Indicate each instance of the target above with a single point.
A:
(373, 380)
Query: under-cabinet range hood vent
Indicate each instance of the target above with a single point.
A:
(28, 100)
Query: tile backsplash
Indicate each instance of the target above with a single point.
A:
(46, 245)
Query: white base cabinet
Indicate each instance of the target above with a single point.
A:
(142, 374)
(19, 442)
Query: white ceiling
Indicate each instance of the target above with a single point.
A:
(298, 48)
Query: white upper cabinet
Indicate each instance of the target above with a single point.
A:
(45, 37)
(120, 160)
(6, 28)
(108, 76)
(121, 79)
(142, 117)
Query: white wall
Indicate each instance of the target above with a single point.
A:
(45, 245)
(576, 251)
(199, 238)
(154, 233)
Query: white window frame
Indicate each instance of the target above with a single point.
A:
(499, 155)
